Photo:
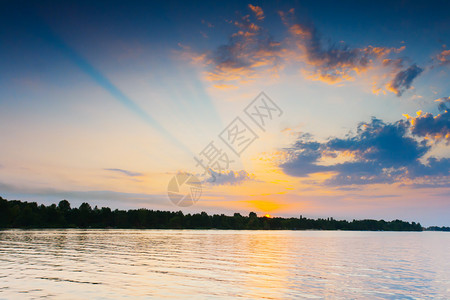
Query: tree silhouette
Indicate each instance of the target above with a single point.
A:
(18, 214)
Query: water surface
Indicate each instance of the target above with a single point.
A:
(213, 264)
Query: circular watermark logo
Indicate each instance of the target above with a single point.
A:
(184, 189)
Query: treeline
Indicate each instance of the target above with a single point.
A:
(437, 228)
(19, 214)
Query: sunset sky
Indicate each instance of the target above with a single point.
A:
(105, 101)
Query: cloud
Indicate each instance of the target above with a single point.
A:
(432, 182)
(229, 177)
(303, 158)
(434, 127)
(432, 168)
(252, 53)
(403, 80)
(225, 86)
(337, 62)
(126, 172)
(378, 152)
(443, 58)
(249, 54)
(334, 62)
(259, 14)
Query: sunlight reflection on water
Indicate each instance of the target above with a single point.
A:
(79, 264)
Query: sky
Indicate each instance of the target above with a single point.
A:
(313, 108)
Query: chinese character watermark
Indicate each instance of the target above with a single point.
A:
(238, 136)
(262, 109)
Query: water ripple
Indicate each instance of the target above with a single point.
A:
(79, 264)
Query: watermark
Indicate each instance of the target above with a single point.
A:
(185, 189)
(238, 136)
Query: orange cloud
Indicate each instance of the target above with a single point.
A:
(251, 53)
(444, 57)
(225, 86)
(330, 63)
(257, 11)
(436, 128)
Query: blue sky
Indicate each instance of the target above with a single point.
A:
(104, 102)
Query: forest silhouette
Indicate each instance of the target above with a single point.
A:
(21, 214)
